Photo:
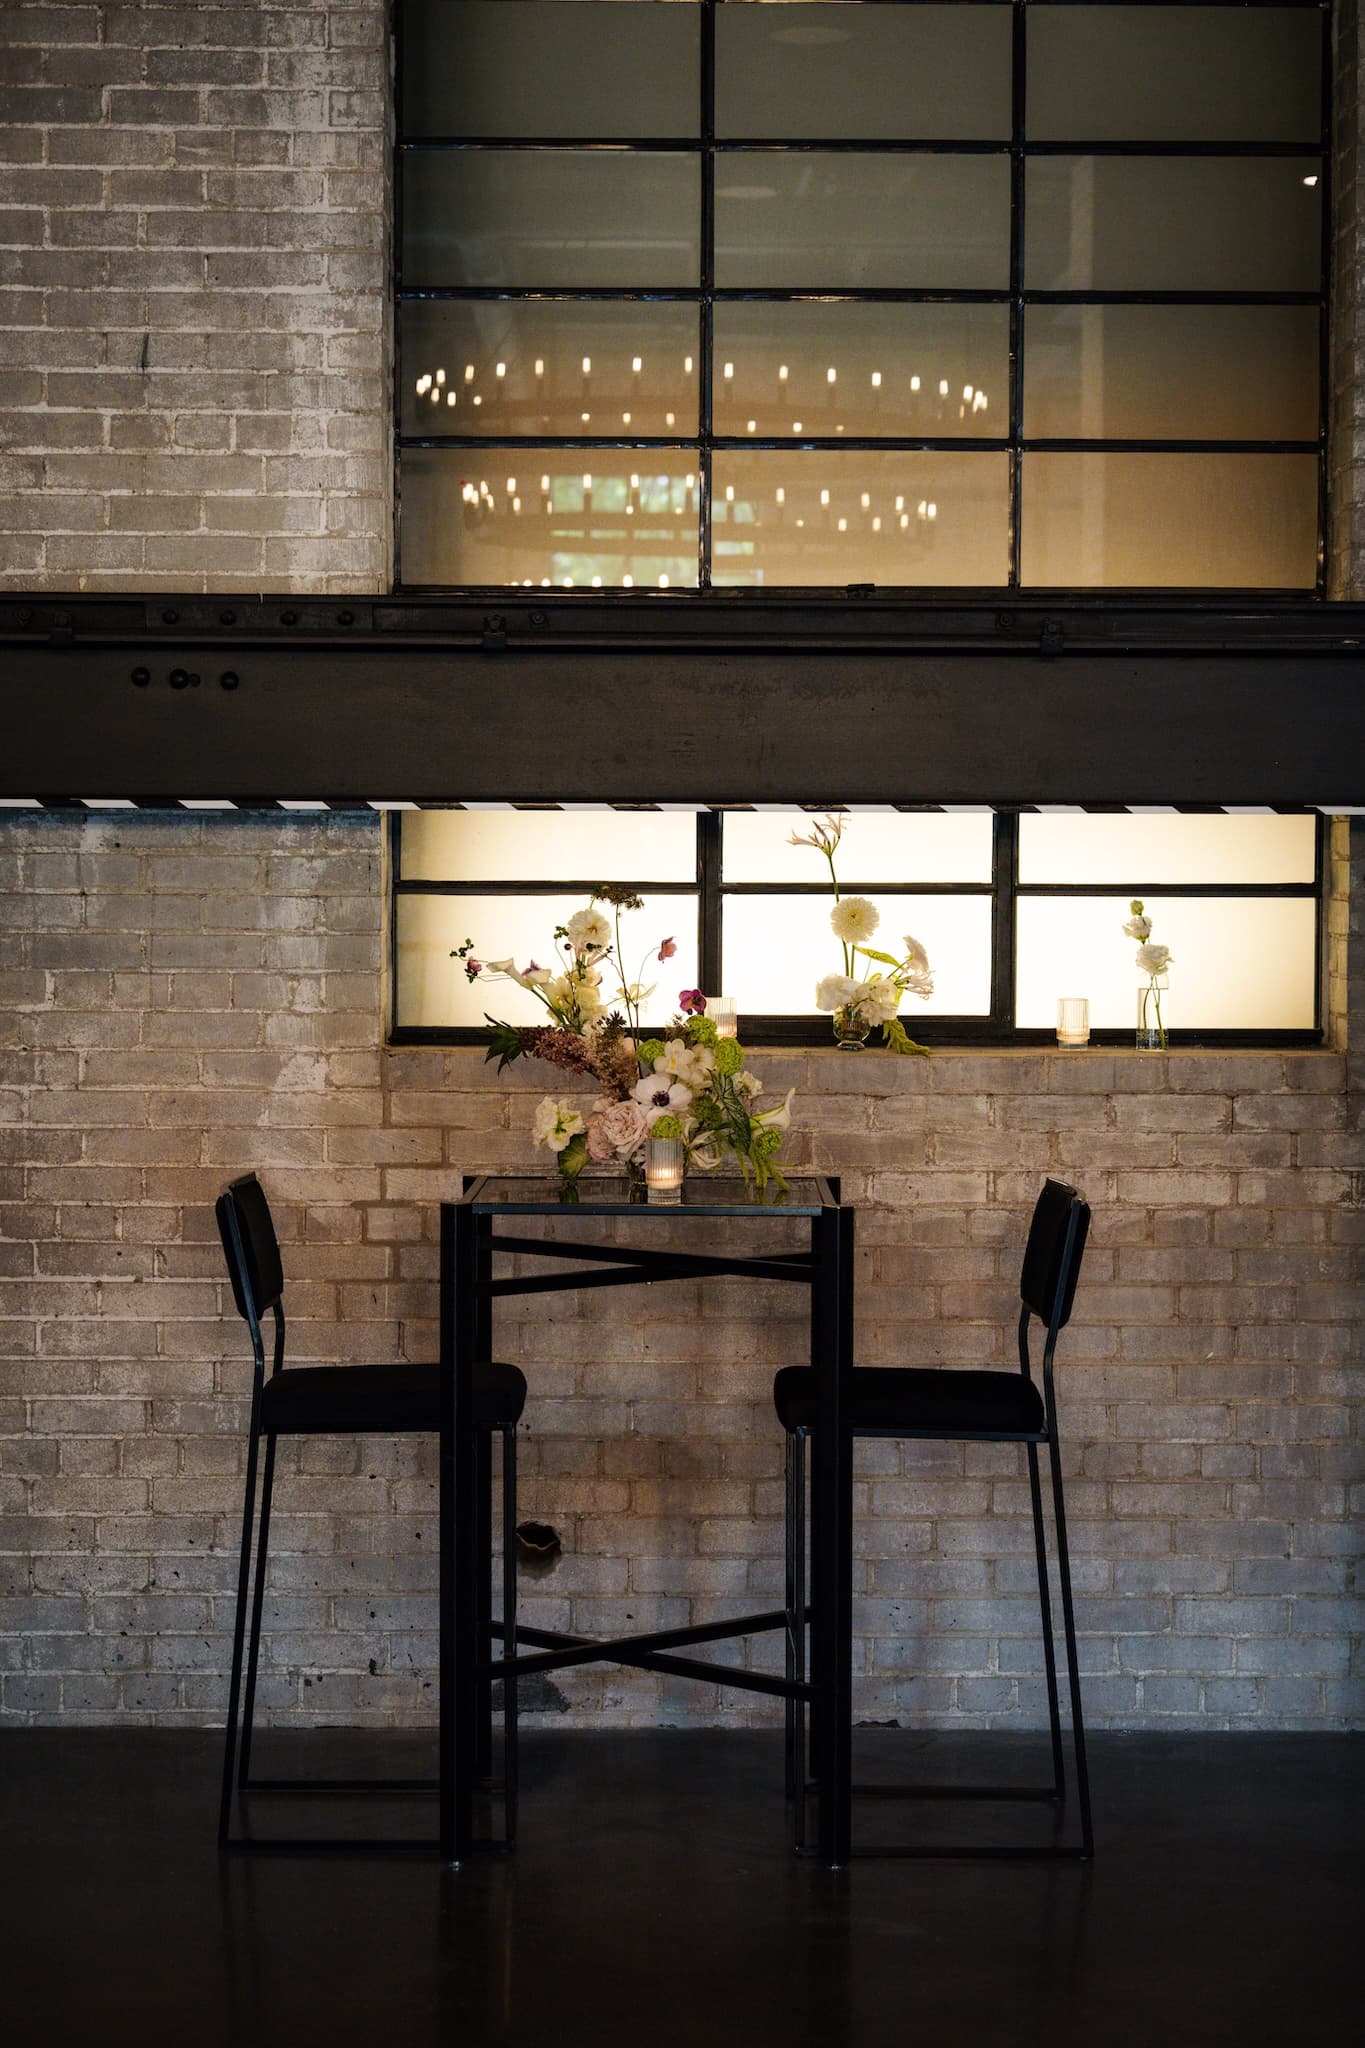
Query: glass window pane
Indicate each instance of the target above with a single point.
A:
(1140, 850)
(550, 217)
(815, 220)
(776, 948)
(538, 68)
(1240, 373)
(1122, 223)
(433, 990)
(878, 846)
(898, 370)
(543, 516)
(1175, 74)
(1076, 946)
(890, 73)
(1180, 521)
(859, 516)
(548, 846)
(517, 367)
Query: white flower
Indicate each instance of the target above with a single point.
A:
(748, 1084)
(915, 956)
(689, 1064)
(780, 1118)
(555, 1123)
(660, 1095)
(834, 991)
(508, 968)
(588, 931)
(1153, 959)
(536, 977)
(636, 993)
(624, 1126)
(824, 837)
(853, 919)
(880, 998)
(1139, 927)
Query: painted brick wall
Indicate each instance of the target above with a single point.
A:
(181, 1000)
(193, 284)
(193, 394)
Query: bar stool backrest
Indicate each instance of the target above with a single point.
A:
(251, 1249)
(1052, 1256)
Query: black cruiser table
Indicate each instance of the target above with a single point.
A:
(472, 1231)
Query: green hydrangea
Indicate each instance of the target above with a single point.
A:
(729, 1056)
(651, 1050)
(765, 1142)
(701, 1031)
(665, 1127)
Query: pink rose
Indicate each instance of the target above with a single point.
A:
(600, 1147)
(624, 1125)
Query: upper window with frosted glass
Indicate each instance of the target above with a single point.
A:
(773, 294)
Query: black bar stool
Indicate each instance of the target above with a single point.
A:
(942, 1405)
(324, 1400)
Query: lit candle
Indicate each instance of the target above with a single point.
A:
(723, 1012)
(1073, 1021)
(664, 1170)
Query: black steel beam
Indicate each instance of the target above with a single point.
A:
(826, 697)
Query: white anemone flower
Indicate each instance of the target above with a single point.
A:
(588, 931)
(1153, 959)
(834, 991)
(854, 920)
(660, 1095)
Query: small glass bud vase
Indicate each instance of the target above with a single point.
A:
(1152, 1013)
(664, 1162)
(851, 1028)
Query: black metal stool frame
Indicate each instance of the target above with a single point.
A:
(798, 1609)
(246, 1648)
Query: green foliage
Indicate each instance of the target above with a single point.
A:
(871, 953)
(899, 1039)
(574, 1157)
(504, 1044)
(729, 1056)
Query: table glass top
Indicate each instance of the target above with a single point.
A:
(613, 1195)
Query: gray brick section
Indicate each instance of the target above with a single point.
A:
(193, 296)
(1210, 1382)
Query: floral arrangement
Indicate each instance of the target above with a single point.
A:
(691, 1084)
(1153, 960)
(864, 1002)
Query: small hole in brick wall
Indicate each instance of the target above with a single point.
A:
(538, 1545)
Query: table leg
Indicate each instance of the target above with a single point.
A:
(459, 1531)
(832, 1529)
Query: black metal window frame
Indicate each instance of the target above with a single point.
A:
(1004, 890)
(1016, 444)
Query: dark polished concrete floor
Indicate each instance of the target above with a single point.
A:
(654, 1899)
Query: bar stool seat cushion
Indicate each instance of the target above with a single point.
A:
(904, 1399)
(307, 1399)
